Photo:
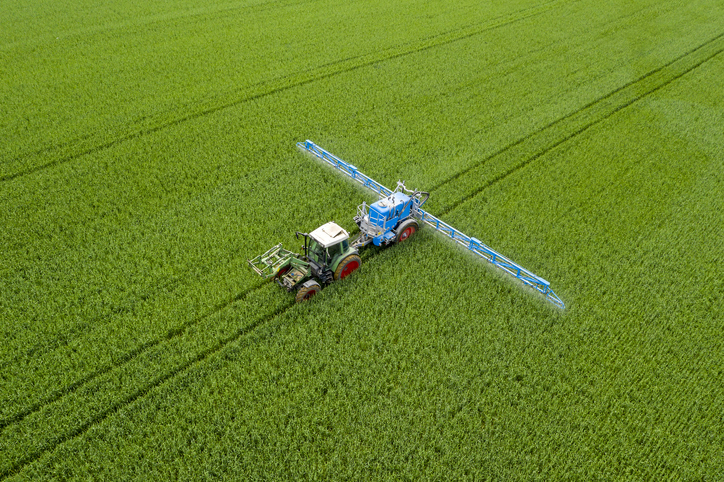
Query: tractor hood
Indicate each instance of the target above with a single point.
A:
(329, 234)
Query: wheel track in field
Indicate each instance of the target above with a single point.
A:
(61, 339)
(614, 102)
(516, 16)
(139, 392)
(79, 147)
(98, 418)
(50, 445)
(537, 144)
(444, 39)
(669, 73)
(123, 359)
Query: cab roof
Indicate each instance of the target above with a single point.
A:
(329, 234)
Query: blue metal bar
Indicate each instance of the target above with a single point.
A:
(472, 244)
(493, 257)
(344, 167)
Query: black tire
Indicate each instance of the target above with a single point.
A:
(406, 230)
(347, 266)
(308, 289)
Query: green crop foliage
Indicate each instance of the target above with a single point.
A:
(149, 150)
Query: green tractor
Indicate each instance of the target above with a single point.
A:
(327, 257)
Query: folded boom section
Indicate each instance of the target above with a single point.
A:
(473, 244)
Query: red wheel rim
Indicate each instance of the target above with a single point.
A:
(407, 233)
(348, 268)
(310, 294)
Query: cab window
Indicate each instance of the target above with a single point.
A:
(316, 252)
(335, 250)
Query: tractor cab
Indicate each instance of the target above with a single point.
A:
(329, 254)
(327, 243)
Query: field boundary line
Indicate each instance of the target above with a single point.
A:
(571, 125)
(274, 86)
(123, 359)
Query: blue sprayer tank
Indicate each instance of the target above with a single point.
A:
(390, 219)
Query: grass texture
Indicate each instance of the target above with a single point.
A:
(149, 150)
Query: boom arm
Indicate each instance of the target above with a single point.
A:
(473, 244)
(493, 257)
(344, 167)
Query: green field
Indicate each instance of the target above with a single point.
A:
(148, 151)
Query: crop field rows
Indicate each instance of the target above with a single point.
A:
(139, 344)
(87, 145)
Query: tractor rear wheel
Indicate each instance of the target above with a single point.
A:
(347, 266)
(406, 229)
(307, 290)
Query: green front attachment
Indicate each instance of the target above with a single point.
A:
(267, 265)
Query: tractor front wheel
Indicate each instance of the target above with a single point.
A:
(406, 229)
(347, 266)
(308, 289)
